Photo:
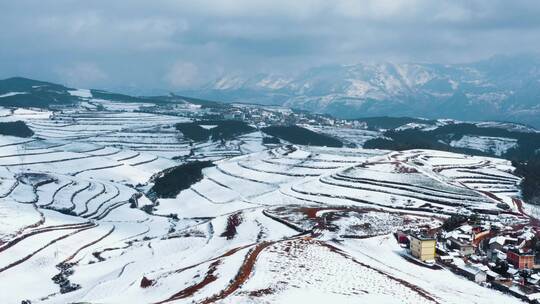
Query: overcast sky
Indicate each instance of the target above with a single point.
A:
(181, 44)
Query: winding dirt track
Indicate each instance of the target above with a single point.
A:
(533, 221)
(242, 275)
(189, 291)
(248, 265)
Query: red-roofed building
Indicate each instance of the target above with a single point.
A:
(520, 260)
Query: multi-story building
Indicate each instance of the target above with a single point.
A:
(423, 247)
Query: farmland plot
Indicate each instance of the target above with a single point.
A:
(281, 224)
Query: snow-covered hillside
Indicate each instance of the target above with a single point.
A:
(259, 227)
(474, 91)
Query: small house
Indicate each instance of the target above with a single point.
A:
(520, 260)
(497, 243)
(423, 247)
(464, 248)
(473, 273)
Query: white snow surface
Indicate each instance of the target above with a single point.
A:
(73, 206)
(84, 93)
(497, 145)
(12, 94)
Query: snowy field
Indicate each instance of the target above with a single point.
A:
(495, 145)
(287, 224)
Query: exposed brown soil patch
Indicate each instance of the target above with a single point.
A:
(226, 254)
(233, 221)
(145, 282)
(311, 212)
(261, 292)
(191, 290)
(242, 275)
(519, 203)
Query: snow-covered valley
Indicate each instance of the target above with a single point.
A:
(267, 223)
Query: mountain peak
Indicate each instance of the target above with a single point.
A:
(485, 88)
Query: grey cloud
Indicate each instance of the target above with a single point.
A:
(147, 44)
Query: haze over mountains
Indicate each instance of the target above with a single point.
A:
(500, 88)
(504, 88)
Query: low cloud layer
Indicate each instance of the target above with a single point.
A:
(169, 45)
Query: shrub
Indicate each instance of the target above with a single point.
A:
(15, 128)
(270, 140)
(453, 222)
(302, 136)
(225, 129)
(176, 179)
(233, 221)
(530, 185)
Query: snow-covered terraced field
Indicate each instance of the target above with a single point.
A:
(126, 130)
(287, 224)
(357, 137)
(398, 185)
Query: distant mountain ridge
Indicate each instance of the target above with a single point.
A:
(501, 88)
(25, 92)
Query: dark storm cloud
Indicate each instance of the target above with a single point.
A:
(178, 44)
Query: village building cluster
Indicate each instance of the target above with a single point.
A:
(503, 257)
(263, 116)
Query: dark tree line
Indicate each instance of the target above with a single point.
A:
(529, 170)
(225, 129)
(302, 136)
(15, 128)
(176, 179)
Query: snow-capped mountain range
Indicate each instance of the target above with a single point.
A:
(500, 88)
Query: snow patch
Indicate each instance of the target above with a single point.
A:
(83, 93)
(208, 127)
(497, 145)
(12, 94)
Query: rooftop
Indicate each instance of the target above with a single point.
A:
(422, 237)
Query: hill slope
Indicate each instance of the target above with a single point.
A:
(502, 88)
